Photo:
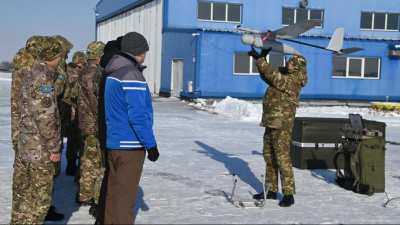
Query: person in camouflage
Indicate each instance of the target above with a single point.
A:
(74, 69)
(279, 110)
(23, 62)
(39, 133)
(63, 107)
(91, 168)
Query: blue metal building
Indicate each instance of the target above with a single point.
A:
(198, 53)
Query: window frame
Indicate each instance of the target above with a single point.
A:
(251, 64)
(226, 12)
(308, 16)
(362, 68)
(386, 21)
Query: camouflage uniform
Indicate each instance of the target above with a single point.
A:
(91, 168)
(22, 65)
(39, 128)
(279, 110)
(63, 107)
(70, 96)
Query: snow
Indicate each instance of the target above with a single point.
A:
(200, 149)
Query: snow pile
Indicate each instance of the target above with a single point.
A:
(252, 112)
(6, 76)
(239, 109)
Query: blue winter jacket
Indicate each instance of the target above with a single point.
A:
(129, 111)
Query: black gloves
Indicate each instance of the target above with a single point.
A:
(253, 53)
(153, 154)
(264, 52)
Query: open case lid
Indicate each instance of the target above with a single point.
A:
(356, 121)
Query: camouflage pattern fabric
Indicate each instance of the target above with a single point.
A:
(79, 58)
(36, 196)
(50, 49)
(276, 153)
(71, 95)
(33, 45)
(95, 50)
(39, 124)
(62, 77)
(19, 187)
(91, 170)
(88, 98)
(282, 96)
(22, 63)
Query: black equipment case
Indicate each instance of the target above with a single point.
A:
(315, 141)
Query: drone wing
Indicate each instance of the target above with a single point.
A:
(294, 30)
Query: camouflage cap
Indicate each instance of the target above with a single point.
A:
(50, 49)
(95, 50)
(66, 45)
(32, 45)
(298, 62)
(22, 59)
(79, 57)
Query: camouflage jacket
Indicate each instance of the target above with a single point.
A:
(88, 96)
(282, 96)
(60, 83)
(17, 77)
(71, 87)
(39, 125)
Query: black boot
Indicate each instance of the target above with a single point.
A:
(287, 201)
(93, 210)
(270, 195)
(71, 167)
(83, 203)
(52, 215)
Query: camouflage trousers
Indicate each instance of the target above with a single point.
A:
(74, 141)
(35, 196)
(277, 156)
(18, 187)
(91, 170)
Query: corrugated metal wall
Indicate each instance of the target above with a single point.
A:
(146, 19)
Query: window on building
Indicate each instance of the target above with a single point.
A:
(219, 12)
(379, 21)
(245, 65)
(353, 67)
(292, 16)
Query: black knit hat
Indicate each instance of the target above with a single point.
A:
(118, 42)
(134, 43)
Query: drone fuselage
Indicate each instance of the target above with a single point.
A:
(279, 47)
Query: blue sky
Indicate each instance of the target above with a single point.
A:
(21, 19)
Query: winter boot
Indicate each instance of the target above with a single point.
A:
(52, 215)
(270, 195)
(71, 167)
(93, 210)
(83, 203)
(287, 201)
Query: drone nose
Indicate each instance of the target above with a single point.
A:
(248, 39)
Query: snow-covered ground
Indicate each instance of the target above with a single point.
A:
(200, 149)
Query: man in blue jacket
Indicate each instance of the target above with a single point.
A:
(129, 119)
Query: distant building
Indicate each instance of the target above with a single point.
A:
(196, 52)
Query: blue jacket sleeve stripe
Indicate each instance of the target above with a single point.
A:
(138, 116)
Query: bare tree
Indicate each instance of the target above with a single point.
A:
(6, 65)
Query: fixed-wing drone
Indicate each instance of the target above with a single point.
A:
(265, 40)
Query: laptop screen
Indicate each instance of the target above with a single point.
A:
(356, 121)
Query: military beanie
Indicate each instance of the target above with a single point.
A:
(79, 57)
(22, 59)
(298, 62)
(95, 50)
(33, 45)
(134, 43)
(50, 49)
